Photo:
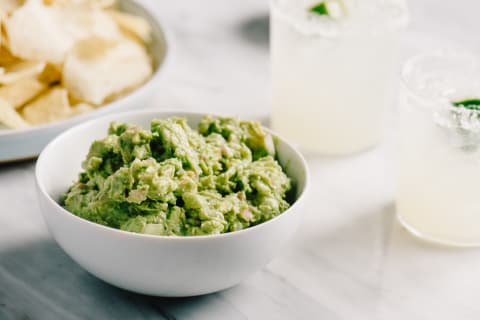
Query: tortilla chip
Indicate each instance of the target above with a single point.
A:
(9, 117)
(21, 70)
(20, 92)
(50, 74)
(46, 33)
(105, 3)
(7, 58)
(88, 3)
(7, 6)
(93, 48)
(132, 25)
(27, 29)
(2, 37)
(94, 78)
(80, 109)
(51, 106)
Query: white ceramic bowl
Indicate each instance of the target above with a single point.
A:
(158, 265)
(27, 143)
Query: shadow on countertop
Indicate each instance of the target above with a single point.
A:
(39, 281)
(18, 163)
(255, 30)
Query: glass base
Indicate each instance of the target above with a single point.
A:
(435, 239)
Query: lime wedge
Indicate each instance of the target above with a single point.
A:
(335, 9)
(320, 9)
(471, 104)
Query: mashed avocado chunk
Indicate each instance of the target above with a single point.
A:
(173, 180)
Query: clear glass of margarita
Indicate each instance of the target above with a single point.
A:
(439, 148)
(334, 66)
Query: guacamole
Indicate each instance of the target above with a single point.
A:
(174, 180)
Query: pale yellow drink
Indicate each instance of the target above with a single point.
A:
(439, 155)
(333, 78)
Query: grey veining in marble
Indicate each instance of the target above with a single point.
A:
(350, 258)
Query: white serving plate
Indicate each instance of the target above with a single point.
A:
(27, 143)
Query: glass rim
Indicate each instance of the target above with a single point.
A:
(397, 23)
(414, 62)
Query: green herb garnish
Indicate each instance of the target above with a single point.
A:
(320, 9)
(471, 104)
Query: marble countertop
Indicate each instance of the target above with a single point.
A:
(350, 258)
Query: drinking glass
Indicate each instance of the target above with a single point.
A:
(334, 77)
(439, 148)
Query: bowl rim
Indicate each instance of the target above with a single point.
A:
(117, 232)
(113, 105)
